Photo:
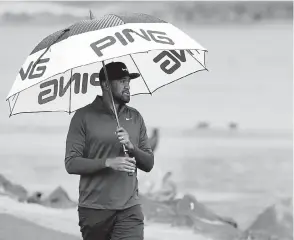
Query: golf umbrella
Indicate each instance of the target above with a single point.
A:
(61, 73)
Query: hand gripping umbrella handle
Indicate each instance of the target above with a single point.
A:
(114, 109)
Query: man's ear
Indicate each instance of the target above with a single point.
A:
(104, 85)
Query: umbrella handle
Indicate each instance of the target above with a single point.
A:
(114, 109)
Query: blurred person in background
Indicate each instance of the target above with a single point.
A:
(167, 191)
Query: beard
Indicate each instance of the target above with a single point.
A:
(122, 98)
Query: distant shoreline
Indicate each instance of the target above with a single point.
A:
(200, 13)
(185, 131)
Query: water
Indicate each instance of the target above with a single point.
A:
(245, 173)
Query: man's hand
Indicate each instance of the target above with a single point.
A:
(124, 138)
(125, 164)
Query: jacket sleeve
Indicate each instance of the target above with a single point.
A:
(143, 153)
(75, 162)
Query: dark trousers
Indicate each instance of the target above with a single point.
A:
(127, 224)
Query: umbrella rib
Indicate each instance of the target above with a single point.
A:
(9, 106)
(48, 111)
(7, 100)
(14, 105)
(140, 74)
(197, 59)
(13, 97)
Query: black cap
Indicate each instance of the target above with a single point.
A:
(116, 70)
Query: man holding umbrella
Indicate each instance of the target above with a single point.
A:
(106, 160)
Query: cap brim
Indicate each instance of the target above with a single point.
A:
(134, 75)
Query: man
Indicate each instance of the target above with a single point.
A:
(167, 191)
(109, 204)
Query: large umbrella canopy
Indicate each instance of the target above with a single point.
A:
(61, 73)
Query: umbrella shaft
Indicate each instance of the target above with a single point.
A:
(110, 92)
(113, 105)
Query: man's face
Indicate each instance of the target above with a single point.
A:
(121, 90)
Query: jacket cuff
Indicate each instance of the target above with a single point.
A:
(135, 149)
